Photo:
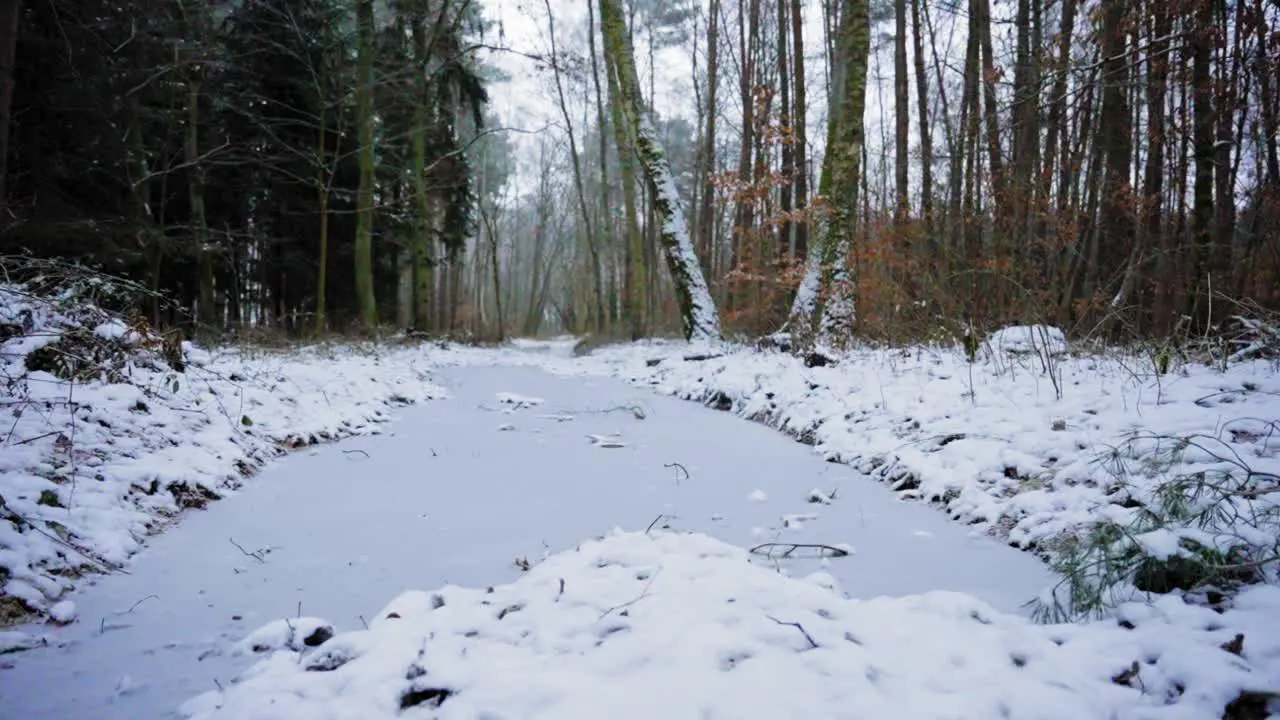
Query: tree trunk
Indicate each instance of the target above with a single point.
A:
(603, 210)
(706, 214)
(926, 139)
(828, 265)
(633, 292)
(423, 241)
(698, 311)
(901, 113)
(10, 17)
(1116, 215)
(1203, 124)
(322, 201)
(365, 299)
(786, 243)
(798, 119)
(207, 314)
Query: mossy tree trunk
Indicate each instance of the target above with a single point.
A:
(697, 309)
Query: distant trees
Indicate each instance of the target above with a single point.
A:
(1110, 166)
(252, 161)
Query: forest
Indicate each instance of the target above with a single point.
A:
(884, 170)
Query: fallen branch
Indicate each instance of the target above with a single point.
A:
(813, 644)
(767, 549)
(679, 467)
(259, 554)
(643, 594)
(655, 522)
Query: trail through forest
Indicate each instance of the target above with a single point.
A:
(461, 491)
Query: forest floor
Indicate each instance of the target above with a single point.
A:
(582, 542)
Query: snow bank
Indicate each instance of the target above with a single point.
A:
(1019, 450)
(684, 626)
(90, 466)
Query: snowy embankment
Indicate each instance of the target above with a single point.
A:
(680, 625)
(110, 433)
(676, 625)
(1030, 444)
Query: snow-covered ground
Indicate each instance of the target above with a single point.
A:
(446, 496)
(89, 470)
(1029, 445)
(669, 625)
(853, 603)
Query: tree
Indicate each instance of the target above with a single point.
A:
(364, 197)
(10, 13)
(698, 312)
(828, 267)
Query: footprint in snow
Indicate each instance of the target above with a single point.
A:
(606, 441)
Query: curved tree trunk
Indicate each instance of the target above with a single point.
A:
(698, 312)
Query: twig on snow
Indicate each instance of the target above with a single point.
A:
(679, 467)
(813, 644)
(38, 437)
(102, 626)
(643, 594)
(767, 549)
(259, 554)
(353, 452)
(656, 520)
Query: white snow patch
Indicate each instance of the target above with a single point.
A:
(758, 495)
(635, 626)
(1029, 339)
(63, 612)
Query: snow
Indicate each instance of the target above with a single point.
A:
(441, 498)
(63, 612)
(684, 626)
(673, 616)
(93, 468)
(518, 401)
(1039, 339)
(1015, 449)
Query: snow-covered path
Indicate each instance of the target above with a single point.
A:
(448, 496)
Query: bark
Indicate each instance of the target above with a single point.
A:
(786, 243)
(706, 215)
(981, 24)
(827, 265)
(838, 312)
(1266, 74)
(322, 201)
(1203, 151)
(633, 304)
(1117, 223)
(926, 139)
(421, 275)
(798, 115)
(603, 210)
(902, 110)
(698, 311)
(364, 194)
(10, 17)
(195, 196)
